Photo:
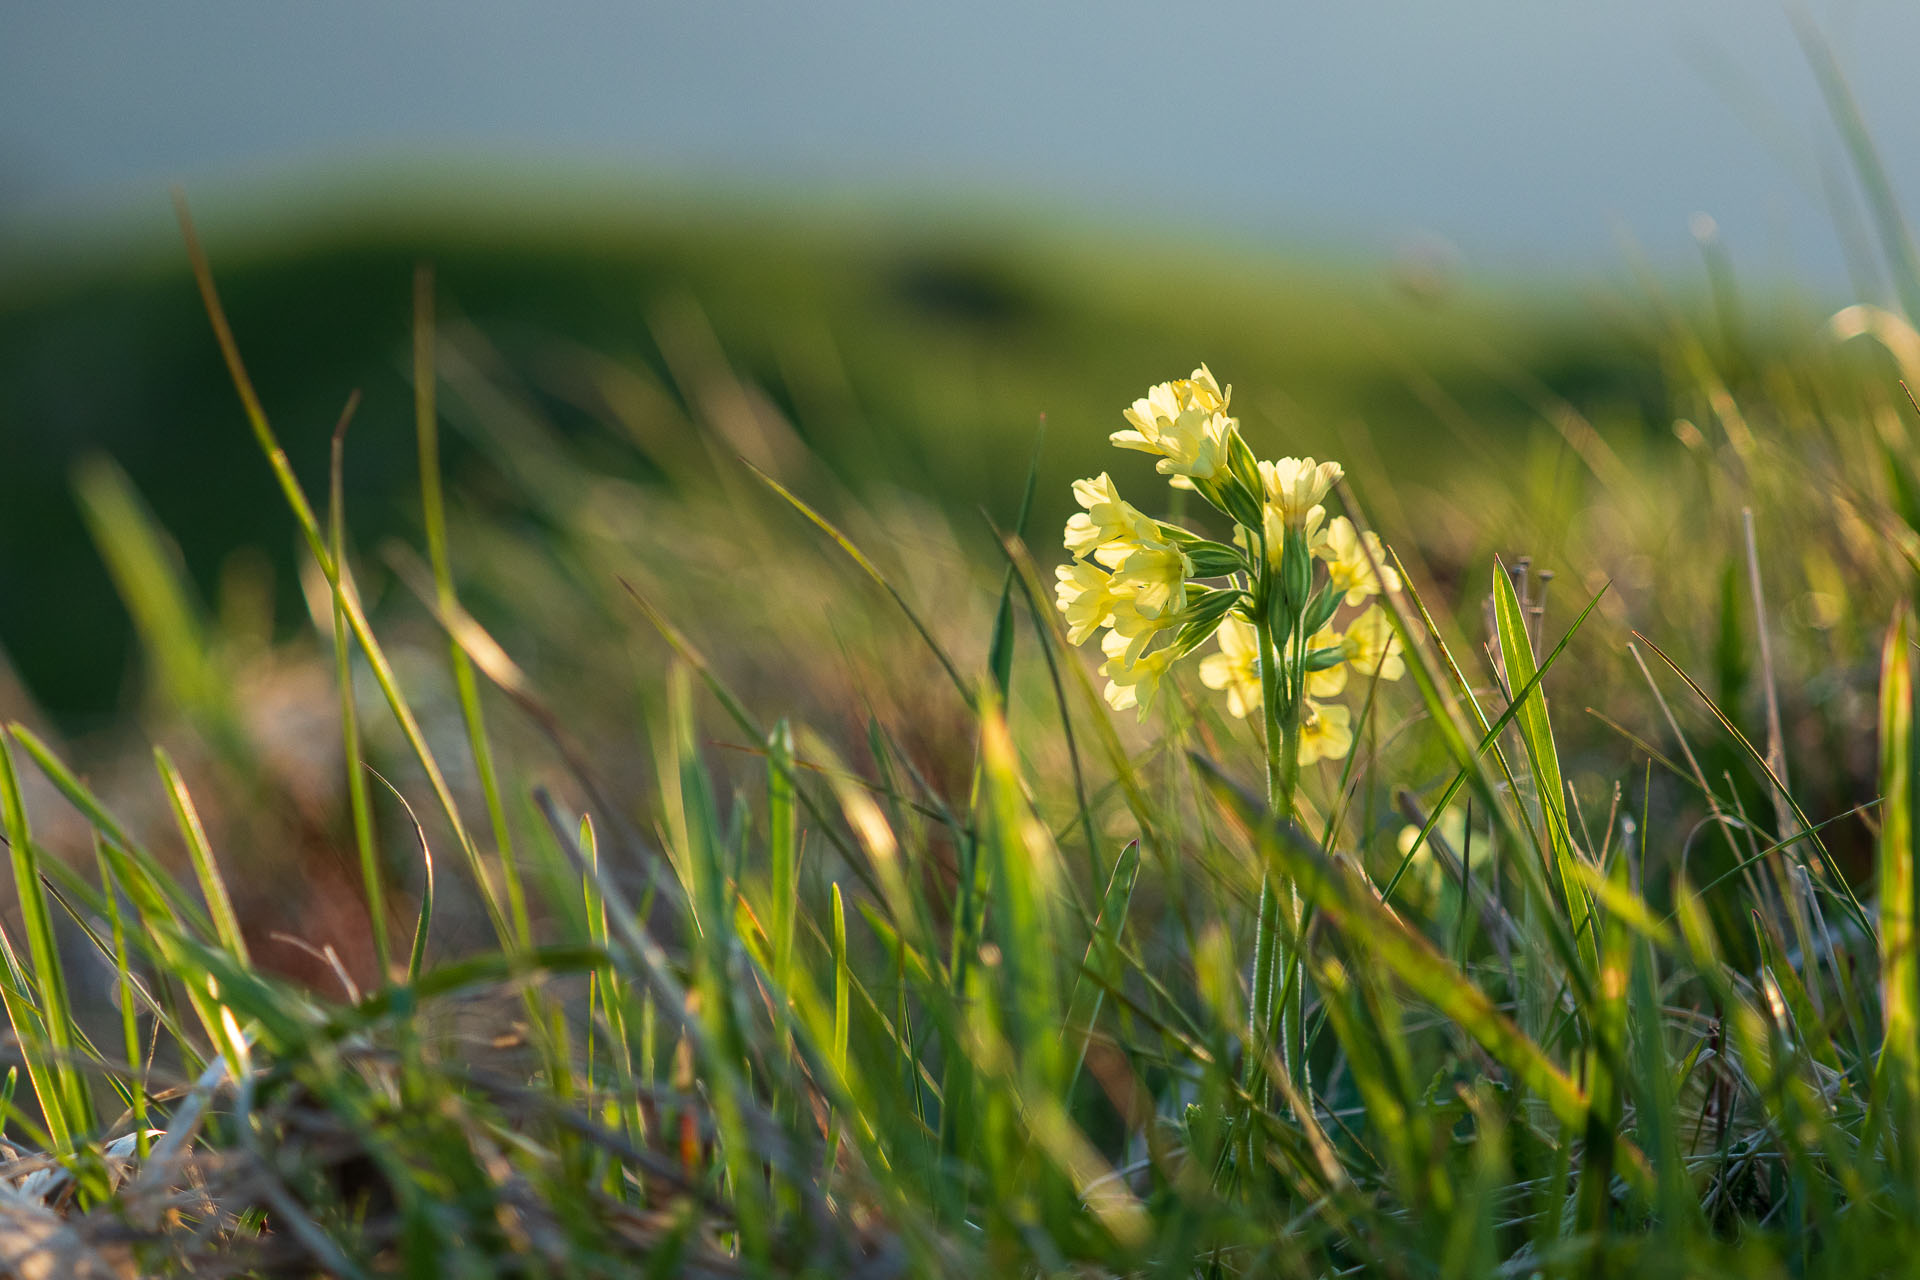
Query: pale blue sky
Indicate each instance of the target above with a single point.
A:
(1526, 132)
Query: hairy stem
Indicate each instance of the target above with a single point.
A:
(1280, 708)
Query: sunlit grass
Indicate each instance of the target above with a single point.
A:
(759, 881)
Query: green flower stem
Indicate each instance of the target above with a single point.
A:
(1291, 1013)
(1281, 712)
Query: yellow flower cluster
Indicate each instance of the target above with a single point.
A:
(1127, 575)
(1186, 423)
(1133, 576)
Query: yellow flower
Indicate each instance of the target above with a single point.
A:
(1351, 557)
(1132, 678)
(1372, 645)
(1296, 486)
(1327, 683)
(1274, 530)
(1326, 733)
(1133, 627)
(1153, 574)
(1085, 595)
(1236, 668)
(1108, 517)
(1184, 421)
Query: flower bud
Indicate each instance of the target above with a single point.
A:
(1296, 576)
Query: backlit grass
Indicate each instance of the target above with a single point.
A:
(682, 859)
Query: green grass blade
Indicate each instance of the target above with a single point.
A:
(348, 602)
(1896, 240)
(1536, 733)
(1353, 907)
(1445, 702)
(212, 886)
(43, 1062)
(1837, 880)
(71, 1111)
(137, 1065)
(1000, 652)
(433, 510)
(1026, 876)
(842, 977)
(783, 850)
(372, 878)
(1488, 740)
(872, 570)
(149, 579)
(1103, 967)
(423, 922)
(1898, 1088)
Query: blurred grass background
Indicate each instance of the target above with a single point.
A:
(1710, 454)
(912, 354)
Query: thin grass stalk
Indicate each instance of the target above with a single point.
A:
(359, 806)
(346, 601)
(434, 517)
(129, 1008)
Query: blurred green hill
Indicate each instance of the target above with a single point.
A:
(903, 353)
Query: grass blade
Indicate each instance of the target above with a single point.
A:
(1536, 733)
(433, 512)
(213, 887)
(372, 880)
(1353, 907)
(69, 1108)
(872, 571)
(1897, 1090)
(1103, 966)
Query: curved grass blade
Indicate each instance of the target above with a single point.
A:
(417, 957)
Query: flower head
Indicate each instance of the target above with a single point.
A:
(1236, 668)
(1084, 594)
(1372, 646)
(1133, 678)
(1108, 518)
(1296, 486)
(1184, 421)
(1130, 582)
(1152, 573)
(1352, 559)
(1326, 732)
(1274, 530)
(1134, 628)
